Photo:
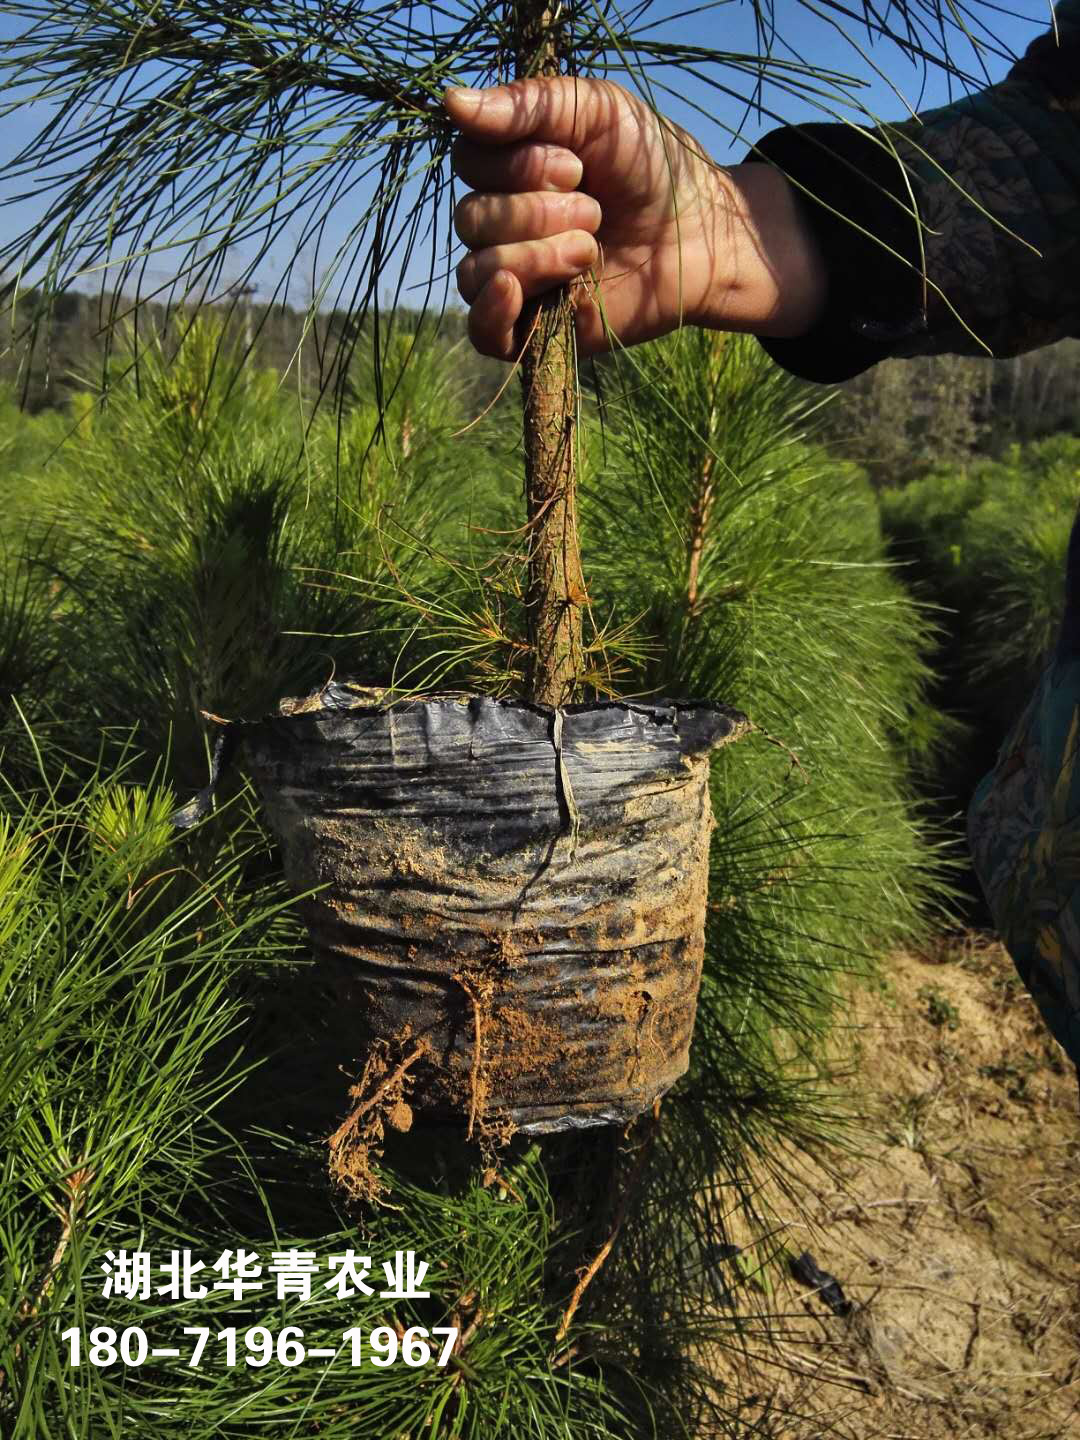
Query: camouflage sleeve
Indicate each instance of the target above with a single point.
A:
(956, 232)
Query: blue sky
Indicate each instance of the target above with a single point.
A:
(725, 127)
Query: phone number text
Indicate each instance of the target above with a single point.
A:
(259, 1346)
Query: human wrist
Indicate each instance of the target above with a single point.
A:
(768, 276)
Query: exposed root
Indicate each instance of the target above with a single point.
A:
(590, 1272)
(493, 1031)
(381, 1100)
(477, 1087)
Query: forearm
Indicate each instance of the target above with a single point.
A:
(769, 272)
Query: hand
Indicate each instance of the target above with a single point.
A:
(578, 181)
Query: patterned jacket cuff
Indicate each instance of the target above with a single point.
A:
(857, 200)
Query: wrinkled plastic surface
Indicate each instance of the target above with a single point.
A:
(524, 889)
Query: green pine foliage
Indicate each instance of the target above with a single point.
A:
(144, 964)
(986, 544)
(124, 997)
(180, 541)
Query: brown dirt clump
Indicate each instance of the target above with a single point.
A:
(954, 1233)
(505, 1039)
(380, 1096)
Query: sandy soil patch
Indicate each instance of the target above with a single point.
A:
(954, 1237)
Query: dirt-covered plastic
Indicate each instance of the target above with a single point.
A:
(518, 891)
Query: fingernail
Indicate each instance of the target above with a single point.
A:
(596, 213)
(463, 94)
(563, 170)
(579, 249)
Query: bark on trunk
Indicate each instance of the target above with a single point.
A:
(700, 515)
(555, 590)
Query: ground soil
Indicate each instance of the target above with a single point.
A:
(955, 1233)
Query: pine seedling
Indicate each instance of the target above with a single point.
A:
(188, 134)
(217, 129)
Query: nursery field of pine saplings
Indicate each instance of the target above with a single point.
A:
(453, 819)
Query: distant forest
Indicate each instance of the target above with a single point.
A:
(899, 420)
(88, 340)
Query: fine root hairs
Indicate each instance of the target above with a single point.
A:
(479, 989)
(381, 1099)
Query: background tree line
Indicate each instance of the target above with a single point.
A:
(899, 420)
(43, 367)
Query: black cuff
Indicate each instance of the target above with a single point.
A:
(875, 302)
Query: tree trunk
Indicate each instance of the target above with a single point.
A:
(555, 590)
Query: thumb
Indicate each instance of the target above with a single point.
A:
(561, 109)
